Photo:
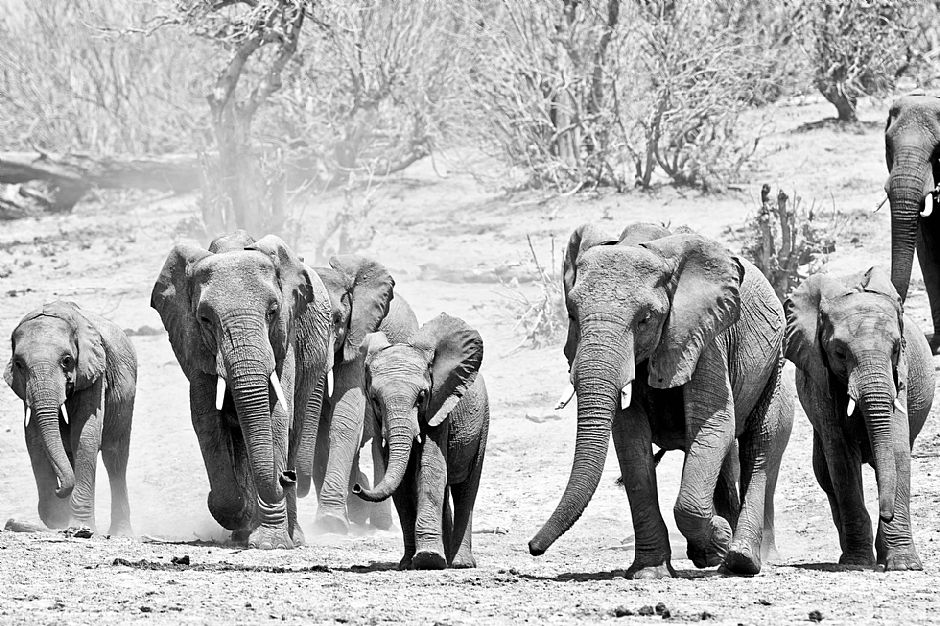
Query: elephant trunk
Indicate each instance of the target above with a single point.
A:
(873, 378)
(400, 439)
(600, 375)
(910, 172)
(46, 395)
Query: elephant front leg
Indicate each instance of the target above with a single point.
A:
(895, 542)
(431, 486)
(53, 511)
(843, 464)
(634, 445)
(928, 255)
(381, 513)
(86, 442)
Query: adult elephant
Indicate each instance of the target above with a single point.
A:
(251, 327)
(363, 302)
(912, 152)
(673, 341)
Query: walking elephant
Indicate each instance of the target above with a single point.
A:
(76, 373)
(672, 340)
(912, 152)
(363, 301)
(251, 327)
(866, 380)
(432, 410)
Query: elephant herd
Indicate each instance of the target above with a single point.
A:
(672, 340)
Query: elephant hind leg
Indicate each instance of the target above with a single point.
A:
(460, 552)
(114, 456)
(783, 407)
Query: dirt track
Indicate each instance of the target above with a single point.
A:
(443, 240)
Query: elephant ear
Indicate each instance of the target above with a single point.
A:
(370, 288)
(90, 363)
(8, 373)
(583, 238)
(801, 342)
(375, 343)
(455, 354)
(171, 297)
(292, 274)
(705, 301)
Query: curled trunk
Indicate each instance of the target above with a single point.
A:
(876, 400)
(910, 172)
(45, 398)
(599, 371)
(400, 440)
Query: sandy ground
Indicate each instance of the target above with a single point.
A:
(445, 239)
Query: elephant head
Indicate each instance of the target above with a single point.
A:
(415, 386)
(661, 302)
(231, 313)
(912, 152)
(847, 336)
(57, 352)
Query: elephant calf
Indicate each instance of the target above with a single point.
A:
(77, 375)
(429, 391)
(866, 381)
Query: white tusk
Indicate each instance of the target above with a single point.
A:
(419, 438)
(626, 395)
(565, 397)
(329, 383)
(28, 414)
(928, 209)
(219, 394)
(880, 204)
(851, 408)
(899, 407)
(277, 390)
(65, 414)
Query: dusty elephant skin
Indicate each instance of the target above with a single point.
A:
(866, 381)
(432, 410)
(363, 301)
(76, 373)
(912, 142)
(250, 326)
(674, 341)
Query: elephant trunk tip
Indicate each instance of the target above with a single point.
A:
(537, 547)
(288, 478)
(64, 491)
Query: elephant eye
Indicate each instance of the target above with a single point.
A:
(67, 362)
(422, 396)
(273, 308)
(646, 318)
(840, 353)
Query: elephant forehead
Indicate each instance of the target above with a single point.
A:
(240, 270)
(630, 267)
(397, 363)
(42, 333)
(861, 313)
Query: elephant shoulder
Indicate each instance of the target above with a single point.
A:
(758, 297)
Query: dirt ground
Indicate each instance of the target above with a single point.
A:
(445, 240)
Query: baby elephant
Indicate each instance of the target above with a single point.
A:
(76, 373)
(431, 407)
(866, 381)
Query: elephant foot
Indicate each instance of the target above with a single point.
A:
(428, 559)
(638, 571)
(332, 523)
(359, 510)
(230, 513)
(898, 561)
(405, 562)
(240, 536)
(860, 559)
(298, 536)
(270, 538)
(463, 560)
(121, 529)
(381, 517)
(715, 549)
(742, 559)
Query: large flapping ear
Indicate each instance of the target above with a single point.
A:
(292, 274)
(455, 354)
(171, 297)
(583, 238)
(90, 363)
(877, 280)
(705, 301)
(371, 291)
(238, 240)
(802, 343)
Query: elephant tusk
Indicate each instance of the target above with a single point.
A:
(419, 438)
(899, 407)
(565, 397)
(277, 390)
(65, 414)
(880, 204)
(28, 413)
(329, 383)
(626, 395)
(851, 408)
(928, 206)
(220, 394)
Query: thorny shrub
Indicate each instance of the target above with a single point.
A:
(542, 318)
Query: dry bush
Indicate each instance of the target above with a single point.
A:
(97, 76)
(857, 48)
(543, 318)
(580, 94)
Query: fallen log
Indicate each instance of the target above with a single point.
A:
(32, 183)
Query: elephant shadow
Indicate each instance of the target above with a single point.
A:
(829, 567)
(372, 567)
(582, 577)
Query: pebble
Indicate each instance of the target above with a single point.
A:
(815, 616)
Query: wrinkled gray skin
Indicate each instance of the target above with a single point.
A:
(433, 412)
(696, 334)
(912, 153)
(850, 339)
(363, 301)
(63, 356)
(240, 311)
